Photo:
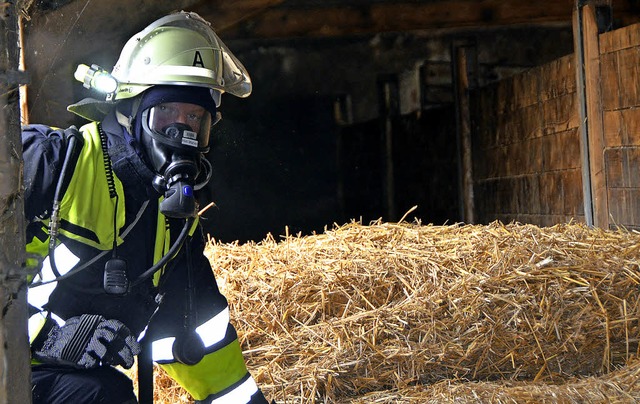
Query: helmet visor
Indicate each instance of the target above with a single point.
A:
(179, 124)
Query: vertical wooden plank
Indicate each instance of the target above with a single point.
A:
(463, 58)
(24, 110)
(593, 93)
(388, 95)
(591, 121)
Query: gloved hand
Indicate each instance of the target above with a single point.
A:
(89, 341)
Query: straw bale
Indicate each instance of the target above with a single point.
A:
(398, 312)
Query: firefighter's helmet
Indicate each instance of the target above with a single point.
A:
(179, 49)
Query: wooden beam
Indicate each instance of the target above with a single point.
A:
(268, 20)
(389, 104)
(589, 92)
(227, 16)
(464, 59)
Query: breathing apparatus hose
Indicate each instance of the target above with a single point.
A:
(188, 347)
(170, 254)
(74, 142)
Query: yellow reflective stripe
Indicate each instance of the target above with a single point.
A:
(87, 203)
(36, 247)
(194, 226)
(36, 322)
(163, 241)
(214, 373)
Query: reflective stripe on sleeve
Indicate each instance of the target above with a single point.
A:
(211, 332)
(240, 394)
(38, 296)
(162, 349)
(65, 261)
(215, 329)
(36, 322)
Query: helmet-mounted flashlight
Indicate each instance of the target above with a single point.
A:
(97, 78)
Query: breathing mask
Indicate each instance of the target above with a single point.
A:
(175, 135)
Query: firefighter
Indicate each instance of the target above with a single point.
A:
(112, 220)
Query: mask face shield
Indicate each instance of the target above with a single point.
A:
(181, 125)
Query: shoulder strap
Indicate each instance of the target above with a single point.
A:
(73, 144)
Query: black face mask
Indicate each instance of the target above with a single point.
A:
(174, 136)
(178, 174)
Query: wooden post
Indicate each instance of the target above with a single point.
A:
(24, 109)
(15, 368)
(388, 96)
(463, 62)
(343, 115)
(587, 51)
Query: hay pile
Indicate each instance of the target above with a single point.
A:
(407, 313)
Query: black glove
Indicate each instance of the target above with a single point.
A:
(89, 341)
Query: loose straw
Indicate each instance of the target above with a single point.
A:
(412, 313)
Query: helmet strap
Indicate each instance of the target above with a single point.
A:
(127, 121)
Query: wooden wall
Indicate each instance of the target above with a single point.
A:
(526, 152)
(527, 138)
(424, 169)
(620, 85)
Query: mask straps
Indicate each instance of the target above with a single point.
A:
(127, 121)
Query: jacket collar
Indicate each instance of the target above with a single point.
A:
(127, 161)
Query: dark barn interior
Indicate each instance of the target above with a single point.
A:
(361, 110)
